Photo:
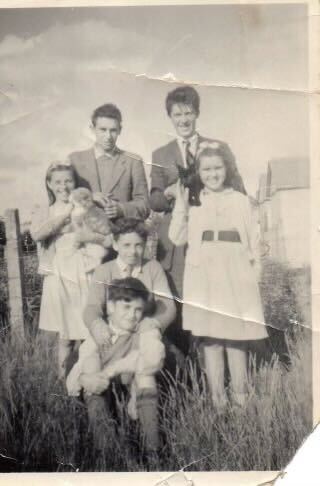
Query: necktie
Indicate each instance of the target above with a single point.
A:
(189, 177)
(189, 156)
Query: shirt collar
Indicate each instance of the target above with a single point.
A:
(207, 192)
(192, 140)
(99, 152)
(116, 331)
(123, 267)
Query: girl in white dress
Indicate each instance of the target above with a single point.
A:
(65, 285)
(222, 303)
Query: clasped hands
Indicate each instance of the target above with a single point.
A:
(98, 382)
(112, 208)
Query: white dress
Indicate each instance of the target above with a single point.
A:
(221, 297)
(65, 289)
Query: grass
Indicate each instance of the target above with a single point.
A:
(42, 429)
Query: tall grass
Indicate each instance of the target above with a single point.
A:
(42, 429)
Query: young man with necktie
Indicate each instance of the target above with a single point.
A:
(168, 163)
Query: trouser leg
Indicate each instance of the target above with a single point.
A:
(237, 361)
(214, 362)
(97, 412)
(147, 409)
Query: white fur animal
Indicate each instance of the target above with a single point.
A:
(86, 215)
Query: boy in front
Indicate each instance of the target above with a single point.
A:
(130, 237)
(134, 352)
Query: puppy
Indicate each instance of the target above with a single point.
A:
(86, 215)
(190, 179)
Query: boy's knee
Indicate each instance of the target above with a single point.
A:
(145, 381)
(92, 364)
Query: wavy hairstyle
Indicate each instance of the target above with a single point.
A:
(233, 178)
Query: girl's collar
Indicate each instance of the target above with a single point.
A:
(207, 192)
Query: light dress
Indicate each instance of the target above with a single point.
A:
(65, 288)
(221, 297)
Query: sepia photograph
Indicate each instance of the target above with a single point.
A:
(155, 243)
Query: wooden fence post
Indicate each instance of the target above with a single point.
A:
(15, 271)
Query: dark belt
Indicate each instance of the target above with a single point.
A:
(232, 236)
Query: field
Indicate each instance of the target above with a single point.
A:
(42, 429)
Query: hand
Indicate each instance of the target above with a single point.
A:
(113, 209)
(67, 213)
(94, 383)
(100, 332)
(99, 198)
(182, 196)
(84, 235)
(147, 324)
(108, 241)
(257, 268)
(171, 192)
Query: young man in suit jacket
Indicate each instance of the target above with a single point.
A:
(117, 178)
(183, 108)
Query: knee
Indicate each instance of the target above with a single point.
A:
(91, 364)
(145, 381)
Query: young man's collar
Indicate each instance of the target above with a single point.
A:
(192, 140)
(124, 268)
(116, 331)
(99, 152)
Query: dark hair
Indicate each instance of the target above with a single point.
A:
(57, 167)
(124, 226)
(128, 289)
(107, 111)
(233, 178)
(185, 95)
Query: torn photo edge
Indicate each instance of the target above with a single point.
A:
(221, 478)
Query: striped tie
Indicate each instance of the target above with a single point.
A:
(190, 175)
(189, 156)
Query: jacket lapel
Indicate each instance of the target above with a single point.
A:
(119, 166)
(89, 170)
(177, 153)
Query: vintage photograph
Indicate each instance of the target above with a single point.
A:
(155, 296)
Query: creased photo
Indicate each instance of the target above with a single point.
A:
(155, 239)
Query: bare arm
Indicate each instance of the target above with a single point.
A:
(45, 227)
(85, 235)
(178, 229)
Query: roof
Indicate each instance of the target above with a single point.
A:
(288, 173)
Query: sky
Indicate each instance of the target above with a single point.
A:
(249, 64)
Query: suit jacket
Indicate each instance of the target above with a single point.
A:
(164, 172)
(127, 183)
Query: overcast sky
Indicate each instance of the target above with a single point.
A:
(57, 65)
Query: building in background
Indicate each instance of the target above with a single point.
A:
(284, 211)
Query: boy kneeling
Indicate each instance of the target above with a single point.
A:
(132, 349)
